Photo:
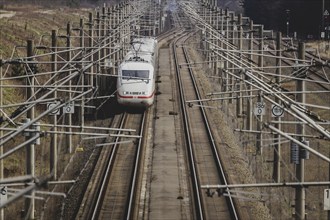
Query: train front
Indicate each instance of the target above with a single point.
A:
(136, 84)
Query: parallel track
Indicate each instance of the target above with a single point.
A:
(202, 150)
(114, 185)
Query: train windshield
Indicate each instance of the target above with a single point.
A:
(138, 74)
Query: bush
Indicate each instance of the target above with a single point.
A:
(73, 3)
(18, 70)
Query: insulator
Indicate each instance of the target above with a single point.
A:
(294, 153)
(26, 133)
(304, 153)
(36, 128)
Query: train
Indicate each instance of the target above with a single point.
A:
(137, 72)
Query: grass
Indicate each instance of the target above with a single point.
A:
(321, 48)
(29, 22)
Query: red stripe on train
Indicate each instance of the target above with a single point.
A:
(139, 97)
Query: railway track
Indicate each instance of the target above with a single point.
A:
(160, 172)
(112, 189)
(167, 187)
(204, 161)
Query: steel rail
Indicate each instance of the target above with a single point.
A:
(66, 68)
(298, 112)
(216, 156)
(134, 182)
(103, 184)
(198, 201)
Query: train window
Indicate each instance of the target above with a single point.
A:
(142, 74)
(139, 74)
(127, 74)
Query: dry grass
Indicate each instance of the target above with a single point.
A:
(29, 22)
(319, 48)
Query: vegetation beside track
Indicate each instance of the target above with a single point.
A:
(321, 48)
(19, 23)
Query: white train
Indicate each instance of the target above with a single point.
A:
(136, 74)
